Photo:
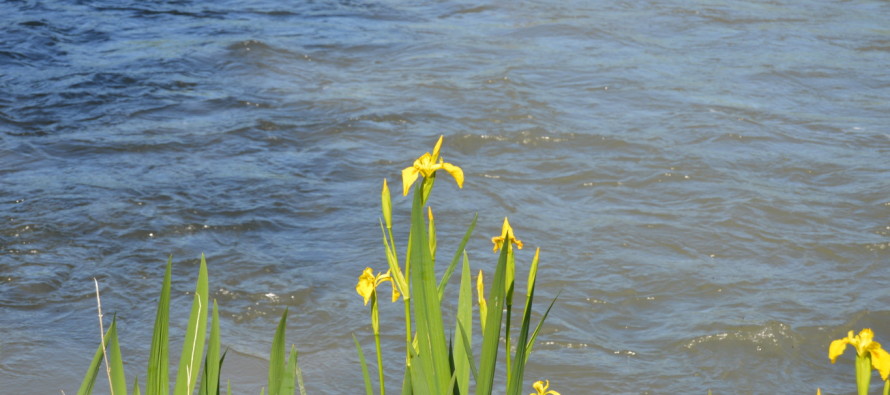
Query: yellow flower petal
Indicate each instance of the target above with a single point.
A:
(836, 348)
(437, 147)
(541, 388)
(409, 175)
(880, 360)
(863, 341)
(427, 165)
(366, 284)
(395, 292)
(506, 233)
(455, 172)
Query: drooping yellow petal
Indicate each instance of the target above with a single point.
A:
(506, 234)
(366, 284)
(409, 175)
(395, 291)
(837, 347)
(455, 172)
(880, 360)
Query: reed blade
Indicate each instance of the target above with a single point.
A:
(157, 381)
(193, 346)
(276, 356)
(361, 358)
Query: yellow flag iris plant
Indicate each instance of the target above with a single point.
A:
(869, 354)
(440, 360)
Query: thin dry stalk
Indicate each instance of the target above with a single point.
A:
(102, 334)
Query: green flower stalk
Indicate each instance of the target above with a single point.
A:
(367, 289)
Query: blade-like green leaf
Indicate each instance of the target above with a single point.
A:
(288, 379)
(136, 386)
(432, 352)
(531, 339)
(118, 377)
(420, 382)
(514, 384)
(157, 380)
(491, 334)
(510, 286)
(276, 356)
(89, 379)
(212, 361)
(193, 346)
(464, 329)
(365, 374)
(460, 250)
(431, 233)
(298, 373)
(468, 350)
(406, 382)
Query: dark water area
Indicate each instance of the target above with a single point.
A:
(708, 181)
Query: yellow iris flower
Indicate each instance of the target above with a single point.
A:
(368, 283)
(541, 388)
(506, 233)
(426, 165)
(865, 346)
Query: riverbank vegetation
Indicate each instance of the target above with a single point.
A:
(439, 357)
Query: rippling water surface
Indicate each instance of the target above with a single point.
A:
(709, 181)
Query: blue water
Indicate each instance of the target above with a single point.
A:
(708, 180)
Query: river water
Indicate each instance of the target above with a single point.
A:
(709, 181)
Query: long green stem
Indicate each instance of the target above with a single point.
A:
(375, 323)
(407, 329)
(863, 373)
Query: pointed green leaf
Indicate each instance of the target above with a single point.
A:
(464, 329)
(491, 334)
(288, 379)
(212, 361)
(89, 379)
(364, 364)
(118, 378)
(460, 250)
(432, 352)
(276, 356)
(298, 373)
(193, 346)
(157, 381)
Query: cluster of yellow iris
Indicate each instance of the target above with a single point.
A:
(426, 166)
(869, 354)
